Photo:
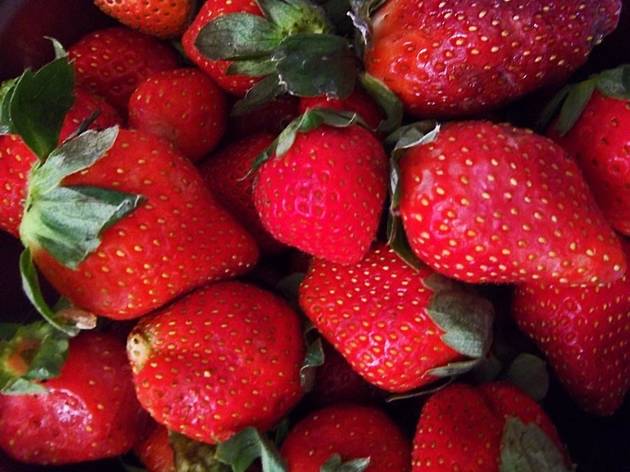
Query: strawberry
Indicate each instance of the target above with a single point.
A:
(177, 240)
(224, 357)
(445, 58)
(157, 18)
(272, 117)
(224, 174)
(359, 102)
(218, 70)
(112, 62)
(395, 326)
(89, 411)
(488, 203)
(583, 332)
(16, 159)
(492, 428)
(154, 450)
(346, 433)
(324, 194)
(594, 127)
(183, 106)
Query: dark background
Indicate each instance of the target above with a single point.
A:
(596, 444)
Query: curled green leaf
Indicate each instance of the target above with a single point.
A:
(335, 464)
(387, 100)
(245, 447)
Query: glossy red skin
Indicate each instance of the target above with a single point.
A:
(179, 239)
(448, 58)
(600, 141)
(326, 194)
(89, 413)
(224, 174)
(211, 9)
(16, 159)
(487, 203)
(386, 335)
(460, 427)
(112, 62)
(225, 357)
(154, 450)
(584, 334)
(351, 431)
(183, 106)
(359, 102)
(272, 117)
(155, 17)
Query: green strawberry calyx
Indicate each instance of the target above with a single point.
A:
(242, 449)
(529, 373)
(335, 464)
(291, 47)
(399, 142)
(387, 100)
(527, 448)
(313, 358)
(29, 354)
(192, 455)
(571, 100)
(361, 15)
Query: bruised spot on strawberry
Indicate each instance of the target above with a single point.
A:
(138, 350)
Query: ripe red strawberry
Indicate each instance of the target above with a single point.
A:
(155, 451)
(445, 58)
(177, 240)
(325, 195)
(223, 358)
(491, 203)
(487, 429)
(359, 102)
(90, 411)
(183, 106)
(113, 61)
(16, 159)
(158, 18)
(211, 9)
(272, 117)
(584, 334)
(597, 135)
(224, 174)
(351, 432)
(391, 322)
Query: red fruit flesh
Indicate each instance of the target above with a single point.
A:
(492, 203)
(448, 58)
(113, 61)
(375, 314)
(584, 334)
(89, 413)
(351, 431)
(155, 451)
(600, 142)
(326, 194)
(211, 9)
(177, 240)
(183, 106)
(224, 173)
(223, 358)
(359, 102)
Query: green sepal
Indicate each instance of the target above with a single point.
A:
(527, 448)
(574, 104)
(29, 354)
(422, 392)
(245, 447)
(313, 358)
(68, 221)
(335, 464)
(361, 15)
(294, 16)
(194, 456)
(310, 120)
(615, 83)
(400, 141)
(262, 92)
(281, 431)
(387, 100)
(33, 291)
(35, 105)
(529, 373)
(253, 68)
(60, 51)
(240, 36)
(453, 369)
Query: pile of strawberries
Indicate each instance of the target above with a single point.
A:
(306, 210)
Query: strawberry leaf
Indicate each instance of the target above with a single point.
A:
(28, 354)
(245, 447)
(615, 83)
(387, 100)
(527, 448)
(192, 455)
(529, 373)
(293, 16)
(577, 99)
(335, 464)
(313, 359)
(361, 15)
(35, 104)
(262, 92)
